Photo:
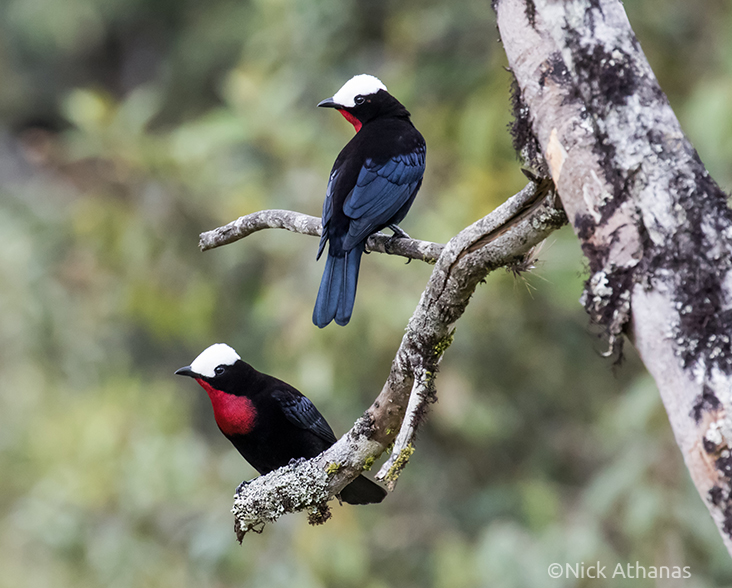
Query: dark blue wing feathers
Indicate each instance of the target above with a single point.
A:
(387, 200)
(376, 184)
(302, 413)
(381, 196)
(380, 192)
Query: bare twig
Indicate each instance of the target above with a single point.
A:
(305, 224)
(496, 240)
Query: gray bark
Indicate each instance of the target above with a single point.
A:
(654, 226)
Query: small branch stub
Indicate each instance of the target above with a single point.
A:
(396, 465)
(423, 393)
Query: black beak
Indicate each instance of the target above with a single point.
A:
(328, 103)
(186, 371)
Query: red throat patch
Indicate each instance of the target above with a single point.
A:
(235, 415)
(351, 119)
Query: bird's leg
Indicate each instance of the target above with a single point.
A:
(398, 232)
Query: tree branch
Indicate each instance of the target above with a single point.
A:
(305, 224)
(653, 224)
(503, 237)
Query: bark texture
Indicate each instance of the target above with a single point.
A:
(499, 239)
(654, 226)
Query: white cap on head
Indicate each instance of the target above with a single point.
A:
(362, 85)
(212, 357)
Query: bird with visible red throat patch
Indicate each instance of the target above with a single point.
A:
(372, 185)
(268, 421)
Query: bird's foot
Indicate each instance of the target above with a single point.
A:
(296, 460)
(398, 232)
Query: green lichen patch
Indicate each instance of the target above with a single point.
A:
(444, 343)
(400, 463)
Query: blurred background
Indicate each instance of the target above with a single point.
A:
(127, 127)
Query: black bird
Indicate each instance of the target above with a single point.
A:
(267, 420)
(372, 185)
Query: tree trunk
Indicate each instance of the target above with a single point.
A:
(654, 226)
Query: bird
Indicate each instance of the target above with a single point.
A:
(372, 185)
(268, 421)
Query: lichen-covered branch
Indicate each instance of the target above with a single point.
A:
(501, 238)
(423, 392)
(654, 226)
(305, 224)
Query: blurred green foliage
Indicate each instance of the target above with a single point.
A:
(128, 127)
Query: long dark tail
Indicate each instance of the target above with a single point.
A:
(337, 291)
(362, 491)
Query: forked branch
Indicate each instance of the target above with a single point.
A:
(503, 237)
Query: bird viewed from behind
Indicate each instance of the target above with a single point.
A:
(268, 421)
(372, 186)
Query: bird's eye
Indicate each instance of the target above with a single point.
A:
(359, 99)
(219, 370)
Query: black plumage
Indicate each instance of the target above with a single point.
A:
(268, 421)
